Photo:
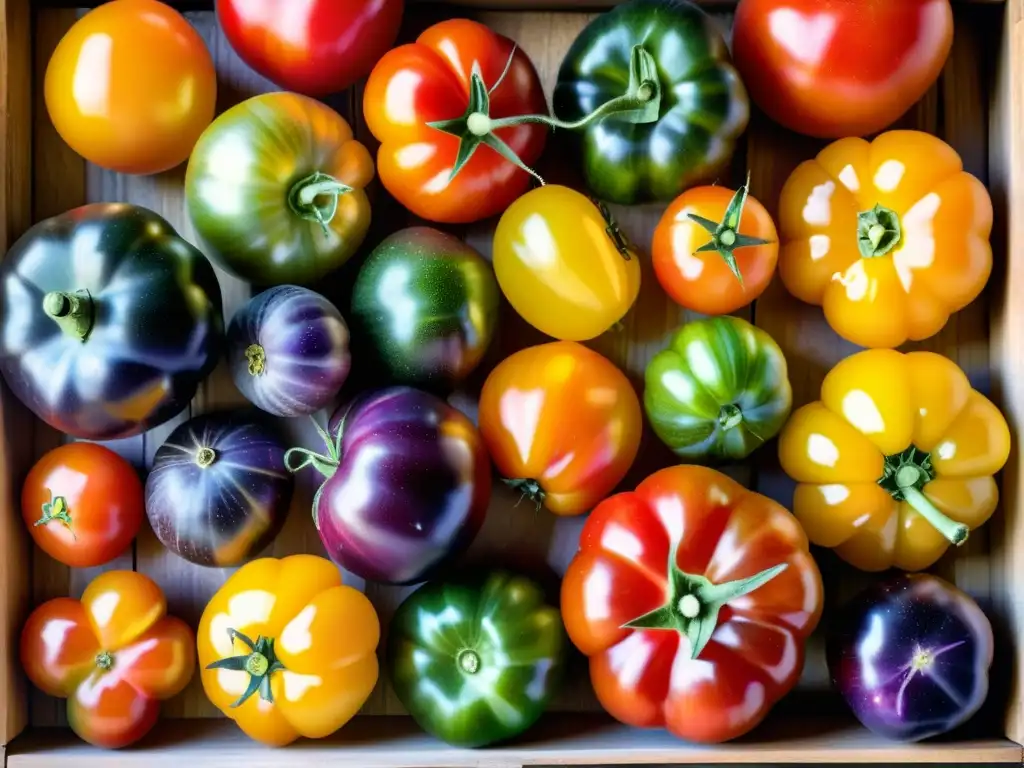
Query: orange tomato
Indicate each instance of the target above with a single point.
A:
(715, 270)
(114, 655)
(890, 237)
(286, 650)
(131, 86)
(561, 423)
(83, 504)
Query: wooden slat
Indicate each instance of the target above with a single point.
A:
(396, 742)
(15, 423)
(1006, 167)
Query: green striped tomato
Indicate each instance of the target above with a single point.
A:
(718, 391)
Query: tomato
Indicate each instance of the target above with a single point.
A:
(131, 86)
(315, 47)
(286, 650)
(525, 404)
(114, 655)
(889, 237)
(430, 80)
(693, 598)
(715, 250)
(83, 504)
(563, 263)
(838, 68)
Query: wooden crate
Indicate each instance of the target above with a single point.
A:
(977, 106)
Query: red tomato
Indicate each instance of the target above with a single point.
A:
(83, 504)
(693, 598)
(838, 68)
(429, 80)
(114, 655)
(315, 47)
(131, 86)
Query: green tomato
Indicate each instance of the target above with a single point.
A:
(275, 190)
(428, 305)
(719, 391)
(703, 110)
(476, 661)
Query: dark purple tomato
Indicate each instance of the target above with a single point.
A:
(288, 351)
(911, 656)
(407, 488)
(219, 492)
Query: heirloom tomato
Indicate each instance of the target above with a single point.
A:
(476, 660)
(315, 47)
(525, 405)
(286, 650)
(890, 237)
(835, 68)
(114, 655)
(714, 250)
(693, 598)
(417, 103)
(701, 107)
(131, 86)
(719, 391)
(563, 263)
(895, 461)
(83, 504)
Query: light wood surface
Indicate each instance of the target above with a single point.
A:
(955, 109)
(1006, 165)
(15, 421)
(396, 742)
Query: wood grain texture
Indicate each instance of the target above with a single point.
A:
(1006, 166)
(514, 534)
(396, 742)
(15, 421)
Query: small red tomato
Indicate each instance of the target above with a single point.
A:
(131, 86)
(838, 68)
(315, 47)
(83, 504)
(715, 250)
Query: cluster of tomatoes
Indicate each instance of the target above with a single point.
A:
(691, 595)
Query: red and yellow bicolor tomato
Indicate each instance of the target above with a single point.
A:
(561, 423)
(131, 86)
(114, 655)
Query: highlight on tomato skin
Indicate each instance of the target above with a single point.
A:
(150, 90)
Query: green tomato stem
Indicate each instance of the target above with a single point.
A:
(469, 661)
(729, 416)
(56, 509)
(878, 232)
(303, 196)
(904, 476)
(73, 312)
(104, 660)
(956, 533)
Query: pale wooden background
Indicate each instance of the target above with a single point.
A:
(956, 109)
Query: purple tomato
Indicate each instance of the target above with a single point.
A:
(911, 656)
(407, 488)
(288, 351)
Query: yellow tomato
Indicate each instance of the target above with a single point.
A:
(895, 462)
(286, 650)
(131, 86)
(890, 237)
(564, 265)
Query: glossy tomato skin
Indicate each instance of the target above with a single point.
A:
(315, 48)
(428, 81)
(839, 68)
(101, 494)
(324, 633)
(563, 263)
(114, 655)
(525, 404)
(646, 677)
(703, 282)
(149, 92)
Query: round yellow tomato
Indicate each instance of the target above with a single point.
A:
(564, 265)
(131, 86)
